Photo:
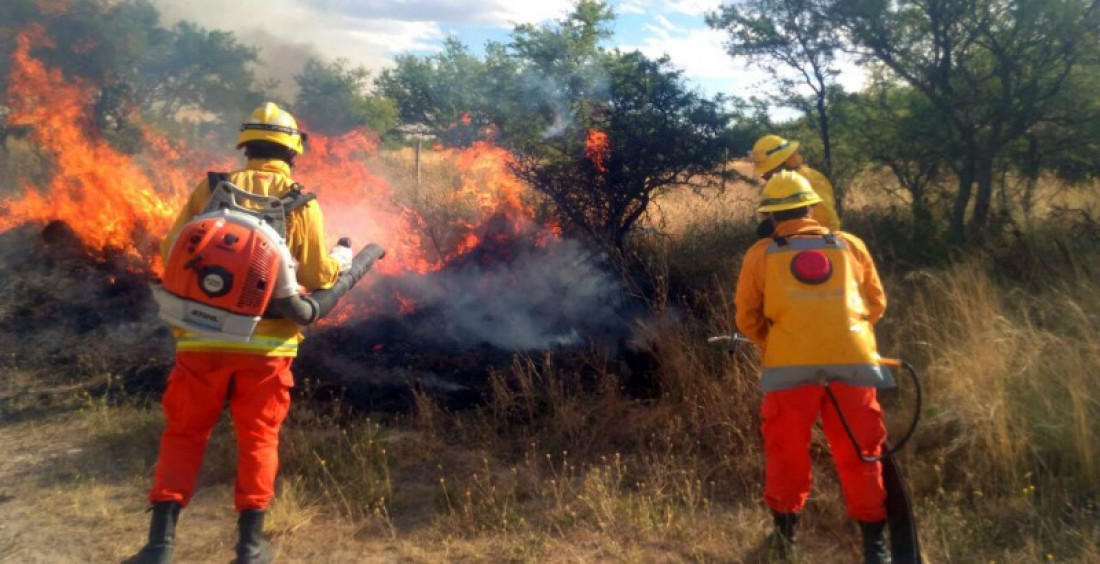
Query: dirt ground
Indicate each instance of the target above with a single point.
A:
(64, 498)
(73, 490)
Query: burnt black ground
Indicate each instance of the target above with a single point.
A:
(71, 315)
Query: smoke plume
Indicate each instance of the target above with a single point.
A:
(515, 294)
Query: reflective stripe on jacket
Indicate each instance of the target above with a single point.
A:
(807, 332)
(305, 237)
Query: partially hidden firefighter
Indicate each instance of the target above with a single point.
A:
(772, 153)
(251, 372)
(809, 297)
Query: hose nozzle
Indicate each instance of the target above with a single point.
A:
(306, 309)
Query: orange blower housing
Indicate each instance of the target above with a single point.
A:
(223, 270)
(223, 264)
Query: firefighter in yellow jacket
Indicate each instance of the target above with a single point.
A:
(772, 153)
(254, 376)
(809, 297)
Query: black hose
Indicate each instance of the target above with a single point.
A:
(887, 449)
(306, 309)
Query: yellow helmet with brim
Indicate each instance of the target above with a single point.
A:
(271, 123)
(769, 152)
(787, 190)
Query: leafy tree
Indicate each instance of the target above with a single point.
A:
(1065, 143)
(785, 38)
(602, 132)
(646, 135)
(188, 69)
(895, 127)
(139, 66)
(448, 92)
(91, 41)
(334, 98)
(991, 69)
(98, 41)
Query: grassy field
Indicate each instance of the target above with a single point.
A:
(562, 465)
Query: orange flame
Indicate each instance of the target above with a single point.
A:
(596, 148)
(128, 202)
(105, 196)
(357, 203)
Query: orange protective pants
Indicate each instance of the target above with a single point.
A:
(788, 419)
(258, 391)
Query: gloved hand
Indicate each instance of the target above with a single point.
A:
(342, 253)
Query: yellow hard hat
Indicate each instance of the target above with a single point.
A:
(770, 151)
(271, 123)
(787, 190)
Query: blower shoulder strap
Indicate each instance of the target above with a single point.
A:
(296, 198)
(215, 178)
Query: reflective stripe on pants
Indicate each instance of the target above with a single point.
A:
(788, 417)
(258, 390)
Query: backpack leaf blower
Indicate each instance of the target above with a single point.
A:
(230, 267)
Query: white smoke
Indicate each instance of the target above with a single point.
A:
(540, 89)
(367, 33)
(560, 295)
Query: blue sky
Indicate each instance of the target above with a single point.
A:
(371, 32)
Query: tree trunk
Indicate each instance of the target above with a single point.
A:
(919, 208)
(827, 150)
(1031, 171)
(962, 200)
(983, 176)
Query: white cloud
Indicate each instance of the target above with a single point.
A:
(632, 7)
(666, 26)
(314, 14)
(526, 11)
(368, 40)
(692, 7)
(686, 7)
(493, 13)
(699, 53)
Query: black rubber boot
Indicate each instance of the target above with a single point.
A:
(874, 543)
(781, 547)
(162, 534)
(252, 547)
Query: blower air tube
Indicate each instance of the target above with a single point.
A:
(305, 309)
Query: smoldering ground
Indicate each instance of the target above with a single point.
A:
(443, 332)
(558, 295)
(71, 312)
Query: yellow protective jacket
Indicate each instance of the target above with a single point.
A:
(825, 212)
(305, 236)
(810, 331)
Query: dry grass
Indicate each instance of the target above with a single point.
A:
(562, 465)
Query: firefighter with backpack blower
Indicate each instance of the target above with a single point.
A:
(235, 259)
(809, 297)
